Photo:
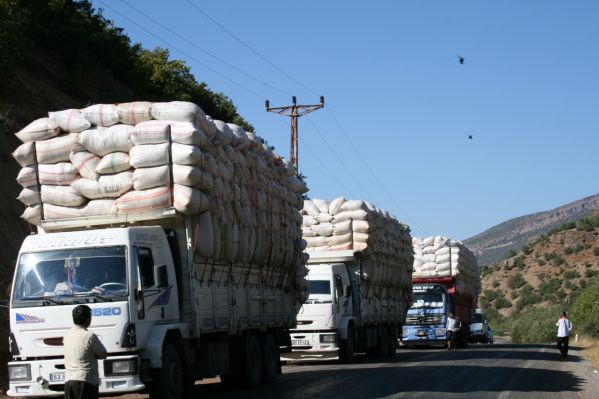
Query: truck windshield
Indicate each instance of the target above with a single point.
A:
(428, 300)
(319, 287)
(478, 318)
(71, 273)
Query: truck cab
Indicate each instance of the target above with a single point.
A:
(125, 275)
(323, 320)
(427, 317)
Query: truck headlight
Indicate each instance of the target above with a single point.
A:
(327, 339)
(19, 372)
(120, 367)
(440, 331)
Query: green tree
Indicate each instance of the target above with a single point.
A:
(585, 312)
(14, 22)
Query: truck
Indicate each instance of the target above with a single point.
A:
(434, 299)
(341, 317)
(166, 317)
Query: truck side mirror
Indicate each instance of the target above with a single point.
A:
(348, 291)
(160, 276)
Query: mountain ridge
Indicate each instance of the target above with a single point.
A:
(495, 243)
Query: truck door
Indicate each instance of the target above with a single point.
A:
(342, 297)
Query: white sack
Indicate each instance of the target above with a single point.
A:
(58, 174)
(33, 214)
(27, 177)
(104, 140)
(335, 205)
(29, 196)
(134, 112)
(70, 120)
(24, 154)
(146, 178)
(56, 149)
(186, 154)
(62, 195)
(102, 114)
(149, 155)
(39, 129)
(156, 132)
(86, 163)
(139, 201)
(107, 186)
(54, 212)
(99, 207)
(114, 162)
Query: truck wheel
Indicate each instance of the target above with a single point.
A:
(252, 362)
(270, 359)
(346, 348)
(383, 344)
(392, 342)
(169, 381)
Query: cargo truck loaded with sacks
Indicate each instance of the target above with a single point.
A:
(360, 270)
(182, 233)
(446, 279)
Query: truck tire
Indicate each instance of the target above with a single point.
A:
(169, 381)
(392, 342)
(270, 359)
(383, 342)
(251, 374)
(346, 348)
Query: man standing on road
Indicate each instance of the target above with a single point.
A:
(564, 326)
(453, 326)
(82, 349)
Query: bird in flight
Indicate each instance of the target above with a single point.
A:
(461, 59)
(470, 136)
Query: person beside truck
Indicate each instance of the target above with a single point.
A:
(564, 327)
(453, 326)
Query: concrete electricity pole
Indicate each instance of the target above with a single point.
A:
(294, 111)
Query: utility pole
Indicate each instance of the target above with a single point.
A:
(294, 111)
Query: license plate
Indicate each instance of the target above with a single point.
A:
(56, 377)
(300, 342)
(421, 333)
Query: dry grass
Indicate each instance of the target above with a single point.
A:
(590, 349)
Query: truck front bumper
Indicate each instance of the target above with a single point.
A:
(47, 379)
(312, 345)
(424, 335)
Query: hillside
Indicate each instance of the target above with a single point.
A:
(550, 270)
(495, 243)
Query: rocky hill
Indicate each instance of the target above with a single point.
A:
(495, 243)
(550, 269)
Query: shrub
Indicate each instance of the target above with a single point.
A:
(519, 262)
(571, 274)
(588, 273)
(527, 298)
(596, 251)
(558, 260)
(541, 262)
(548, 288)
(585, 312)
(516, 281)
(501, 303)
(535, 325)
(495, 284)
(568, 284)
(511, 254)
(514, 294)
(588, 264)
(568, 250)
(549, 255)
(526, 249)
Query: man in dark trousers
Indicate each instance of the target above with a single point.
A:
(82, 349)
(564, 326)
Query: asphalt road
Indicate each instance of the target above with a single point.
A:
(481, 371)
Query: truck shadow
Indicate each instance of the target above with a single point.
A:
(393, 379)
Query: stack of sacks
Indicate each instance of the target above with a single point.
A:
(439, 256)
(108, 159)
(360, 226)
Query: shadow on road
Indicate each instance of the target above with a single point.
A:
(369, 379)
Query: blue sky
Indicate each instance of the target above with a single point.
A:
(528, 93)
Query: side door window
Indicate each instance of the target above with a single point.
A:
(338, 290)
(146, 267)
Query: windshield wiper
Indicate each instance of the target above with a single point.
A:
(95, 294)
(42, 298)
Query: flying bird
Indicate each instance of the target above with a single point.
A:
(470, 136)
(461, 59)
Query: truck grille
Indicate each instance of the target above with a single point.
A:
(413, 319)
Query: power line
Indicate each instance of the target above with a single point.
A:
(375, 177)
(204, 50)
(250, 48)
(183, 52)
(332, 150)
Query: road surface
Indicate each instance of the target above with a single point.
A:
(482, 371)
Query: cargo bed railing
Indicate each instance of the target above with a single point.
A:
(117, 220)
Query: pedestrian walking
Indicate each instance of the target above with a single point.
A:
(82, 349)
(452, 326)
(564, 327)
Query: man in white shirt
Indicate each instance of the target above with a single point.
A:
(564, 326)
(82, 349)
(452, 326)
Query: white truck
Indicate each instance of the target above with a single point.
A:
(342, 315)
(166, 317)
